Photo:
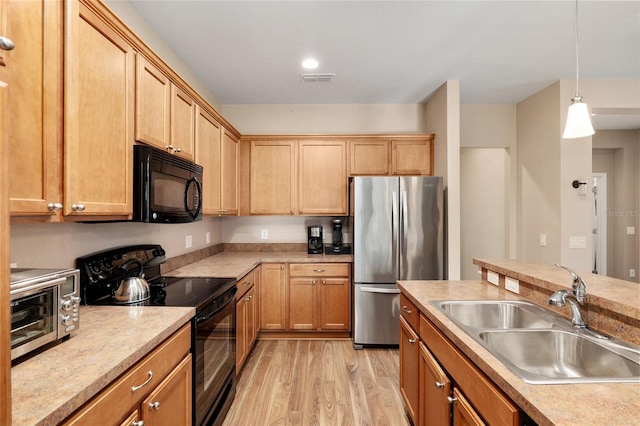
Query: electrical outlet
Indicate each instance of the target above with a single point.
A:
(188, 241)
(493, 278)
(631, 230)
(264, 234)
(207, 237)
(543, 239)
(577, 242)
(512, 285)
(632, 273)
(13, 265)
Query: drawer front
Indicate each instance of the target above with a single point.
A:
(409, 311)
(244, 284)
(319, 269)
(489, 401)
(119, 399)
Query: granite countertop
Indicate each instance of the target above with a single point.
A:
(238, 264)
(558, 404)
(50, 386)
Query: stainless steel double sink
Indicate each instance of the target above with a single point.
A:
(540, 346)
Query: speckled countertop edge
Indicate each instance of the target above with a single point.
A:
(559, 404)
(50, 386)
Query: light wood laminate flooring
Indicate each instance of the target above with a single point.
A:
(318, 382)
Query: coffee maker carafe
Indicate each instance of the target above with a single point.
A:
(314, 245)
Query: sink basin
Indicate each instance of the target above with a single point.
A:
(496, 314)
(555, 356)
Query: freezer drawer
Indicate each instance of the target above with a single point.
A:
(375, 315)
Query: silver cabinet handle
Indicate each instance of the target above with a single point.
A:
(146, 382)
(246, 283)
(313, 282)
(281, 266)
(411, 340)
(138, 423)
(451, 399)
(169, 147)
(439, 385)
(324, 282)
(6, 43)
(177, 150)
(407, 310)
(246, 299)
(77, 207)
(154, 405)
(54, 207)
(318, 270)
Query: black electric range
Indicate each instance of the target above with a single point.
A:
(213, 328)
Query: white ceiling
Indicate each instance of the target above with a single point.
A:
(249, 52)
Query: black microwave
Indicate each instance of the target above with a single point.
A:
(166, 188)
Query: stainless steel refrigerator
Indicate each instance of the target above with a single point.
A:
(398, 234)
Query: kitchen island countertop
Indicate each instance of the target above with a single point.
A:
(558, 404)
(48, 387)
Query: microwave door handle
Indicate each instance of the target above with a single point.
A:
(197, 198)
(39, 285)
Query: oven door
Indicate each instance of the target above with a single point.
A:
(34, 316)
(214, 354)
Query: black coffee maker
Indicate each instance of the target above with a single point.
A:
(314, 239)
(337, 246)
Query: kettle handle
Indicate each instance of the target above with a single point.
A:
(125, 267)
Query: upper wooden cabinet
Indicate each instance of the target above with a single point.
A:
(98, 116)
(322, 183)
(34, 113)
(208, 156)
(409, 155)
(165, 114)
(273, 177)
(229, 151)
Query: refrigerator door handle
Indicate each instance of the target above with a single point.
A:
(404, 219)
(395, 222)
(380, 290)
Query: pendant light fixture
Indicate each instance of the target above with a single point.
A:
(578, 120)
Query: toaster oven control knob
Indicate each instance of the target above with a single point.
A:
(66, 305)
(65, 319)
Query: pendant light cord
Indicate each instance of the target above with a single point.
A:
(575, 26)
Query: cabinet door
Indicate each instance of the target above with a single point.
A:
(208, 156)
(34, 113)
(273, 297)
(335, 303)
(463, 412)
(369, 157)
(322, 178)
(413, 157)
(182, 123)
(229, 174)
(132, 420)
(303, 303)
(98, 116)
(170, 403)
(153, 93)
(435, 386)
(252, 315)
(409, 366)
(273, 177)
(241, 332)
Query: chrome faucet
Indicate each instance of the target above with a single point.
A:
(577, 299)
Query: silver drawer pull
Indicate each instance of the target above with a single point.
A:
(138, 423)
(451, 399)
(412, 340)
(318, 270)
(247, 282)
(439, 385)
(407, 310)
(135, 388)
(154, 405)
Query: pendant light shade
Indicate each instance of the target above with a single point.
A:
(578, 119)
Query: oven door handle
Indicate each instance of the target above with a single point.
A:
(36, 286)
(208, 315)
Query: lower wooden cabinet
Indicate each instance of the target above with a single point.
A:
(273, 296)
(156, 391)
(409, 362)
(434, 408)
(247, 323)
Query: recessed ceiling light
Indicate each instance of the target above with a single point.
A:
(310, 64)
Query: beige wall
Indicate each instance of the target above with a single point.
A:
(312, 118)
(615, 152)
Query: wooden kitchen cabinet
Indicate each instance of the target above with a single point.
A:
(165, 114)
(273, 170)
(370, 157)
(463, 412)
(99, 78)
(164, 376)
(229, 151)
(409, 365)
(246, 316)
(34, 113)
(274, 296)
(433, 389)
(319, 296)
(412, 157)
(322, 182)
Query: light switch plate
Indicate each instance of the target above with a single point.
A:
(512, 285)
(577, 242)
(264, 234)
(631, 230)
(188, 241)
(493, 278)
(207, 237)
(543, 239)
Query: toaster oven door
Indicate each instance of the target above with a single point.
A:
(34, 317)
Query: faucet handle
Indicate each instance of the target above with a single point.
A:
(578, 286)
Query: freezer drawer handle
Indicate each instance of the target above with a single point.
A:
(380, 290)
(404, 308)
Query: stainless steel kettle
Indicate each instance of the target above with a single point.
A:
(132, 288)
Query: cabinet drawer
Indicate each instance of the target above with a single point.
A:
(319, 270)
(409, 311)
(118, 400)
(487, 399)
(244, 284)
